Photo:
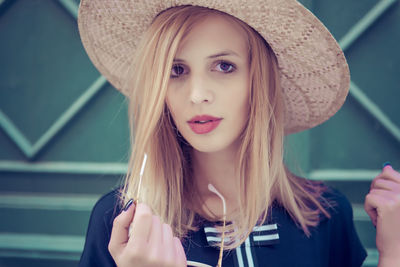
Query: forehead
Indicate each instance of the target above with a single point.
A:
(215, 32)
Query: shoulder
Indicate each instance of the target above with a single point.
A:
(337, 204)
(103, 214)
(346, 248)
(107, 207)
(95, 252)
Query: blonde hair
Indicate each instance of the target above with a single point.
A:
(167, 186)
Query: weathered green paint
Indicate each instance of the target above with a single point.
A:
(14, 261)
(11, 129)
(308, 4)
(365, 23)
(64, 167)
(297, 152)
(81, 150)
(70, 6)
(48, 202)
(360, 214)
(352, 35)
(31, 150)
(41, 246)
(71, 112)
(372, 259)
(343, 175)
(374, 110)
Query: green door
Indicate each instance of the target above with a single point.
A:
(64, 137)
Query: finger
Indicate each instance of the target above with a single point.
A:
(387, 165)
(385, 194)
(119, 233)
(372, 201)
(377, 201)
(390, 174)
(168, 242)
(167, 234)
(386, 185)
(156, 235)
(141, 225)
(179, 252)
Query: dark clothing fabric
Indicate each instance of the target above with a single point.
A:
(279, 242)
(95, 251)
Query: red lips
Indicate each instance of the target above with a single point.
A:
(204, 123)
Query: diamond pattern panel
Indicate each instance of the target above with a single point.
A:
(45, 72)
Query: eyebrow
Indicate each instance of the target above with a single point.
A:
(224, 53)
(220, 54)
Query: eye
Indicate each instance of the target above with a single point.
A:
(177, 70)
(225, 67)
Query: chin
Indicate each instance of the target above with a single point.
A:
(206, 148)
(210, 147)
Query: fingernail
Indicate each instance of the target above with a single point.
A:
(387, 163)
(128, 204)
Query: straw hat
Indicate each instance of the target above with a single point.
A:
(314, 73)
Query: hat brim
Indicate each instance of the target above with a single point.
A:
(313, 70)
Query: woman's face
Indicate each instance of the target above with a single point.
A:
(208, 91)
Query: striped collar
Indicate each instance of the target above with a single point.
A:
(262, 235)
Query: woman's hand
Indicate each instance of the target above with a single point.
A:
(383, 207)
(151, 244)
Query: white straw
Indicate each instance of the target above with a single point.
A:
(143, 164)
(138, 192)
(214, 190)
(141, 175)
(197, 264)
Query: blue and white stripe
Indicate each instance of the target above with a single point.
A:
(262, 235)
(214, 237)
(265, 234)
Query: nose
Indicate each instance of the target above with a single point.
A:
(199, 91)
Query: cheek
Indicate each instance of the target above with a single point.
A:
(246, 97)
(241, 98)
(172, 103)
(169, 100)
(244, 110)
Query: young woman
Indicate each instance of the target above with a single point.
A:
(214, 86)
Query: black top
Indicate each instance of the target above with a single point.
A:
(279, 242)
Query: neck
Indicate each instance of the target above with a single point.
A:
(218, 169)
